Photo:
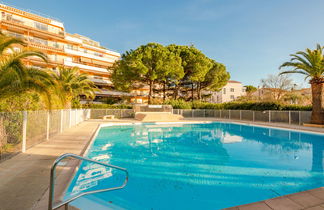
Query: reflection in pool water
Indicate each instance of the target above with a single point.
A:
(198, 166)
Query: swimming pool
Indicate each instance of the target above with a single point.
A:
(198, 166)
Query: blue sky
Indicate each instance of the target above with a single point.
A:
(251, 37)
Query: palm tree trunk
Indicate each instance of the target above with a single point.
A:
(318, 102)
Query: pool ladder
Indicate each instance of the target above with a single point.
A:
(51, 205)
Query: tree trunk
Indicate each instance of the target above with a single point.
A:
(318, 102)
(175, 92)
(164, 90)
(192, 91)
(199, 91)
(150, 93)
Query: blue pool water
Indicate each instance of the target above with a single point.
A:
(198, 166)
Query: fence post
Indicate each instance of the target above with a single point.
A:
(220, 113)
(70, 118)
(269, 116)
(204, 112)
(299, 117)
(289, 117)
(61, 123)
(229, 114)
(48, 126)
(76, 116)
(24, 131)
(192, 113)
(240, 114)
(253, 116)
(88, 114)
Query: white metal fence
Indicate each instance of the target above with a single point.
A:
(288, 117)
(22, 130)
(118, 113)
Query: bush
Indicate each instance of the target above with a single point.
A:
(257, 106)
(297, 108)
(107, 106)
(179, 104)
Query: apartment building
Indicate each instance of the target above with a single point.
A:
(230, 92)
(72, 50)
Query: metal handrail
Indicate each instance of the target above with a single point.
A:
(51, 206)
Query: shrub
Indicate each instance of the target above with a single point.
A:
(297, 108)
(257, 106)
(107, 106)
(179, 104)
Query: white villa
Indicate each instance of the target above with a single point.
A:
(231, 91)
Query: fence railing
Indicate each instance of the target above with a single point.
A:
(288, 117)
(22, 130)
(118, 113)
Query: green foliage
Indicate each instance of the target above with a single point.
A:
(70, 84)
(250, 88)
(179, 104)
(15, 76)
(13, 126)
(147, 64)
(172, 66)
(216, 78)
(107, 106)
(257, 106)
(200, 71)
(309, 63)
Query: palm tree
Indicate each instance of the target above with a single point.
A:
(311, 64)
(15, 76)
(71, 84)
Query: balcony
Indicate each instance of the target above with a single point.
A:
(85, 67)
(19, 24)
(100, 81)
(88, 55)
(45, 47)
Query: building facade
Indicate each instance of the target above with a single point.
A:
(63, 49)
(230, 92)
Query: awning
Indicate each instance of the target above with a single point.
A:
(113, 93)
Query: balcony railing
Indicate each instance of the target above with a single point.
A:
(20, 23)
(101, 57)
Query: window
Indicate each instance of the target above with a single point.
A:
(224, 90)
(41, 26)
(39, 41)
(69, 46)
(56, 45)
(232, 89)
(232, 97)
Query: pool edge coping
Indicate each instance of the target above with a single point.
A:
(238, 207)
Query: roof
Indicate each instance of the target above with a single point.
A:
(233, 81)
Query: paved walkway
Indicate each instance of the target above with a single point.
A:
(308, 200)
(25, 178)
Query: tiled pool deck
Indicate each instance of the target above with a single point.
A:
(24, 179)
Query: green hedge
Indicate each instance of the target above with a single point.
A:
(107, 106)
(181, 104)
(260, 106)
